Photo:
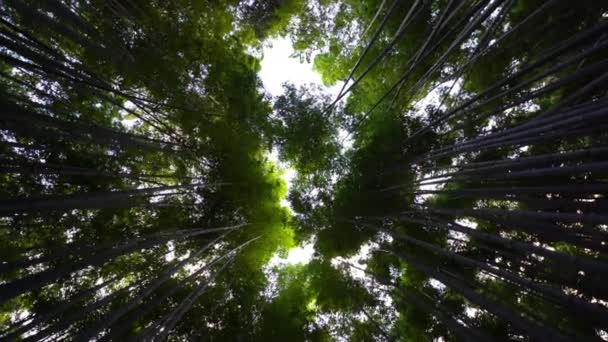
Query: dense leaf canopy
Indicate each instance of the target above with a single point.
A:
(454, 190)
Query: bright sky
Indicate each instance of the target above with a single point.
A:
(278, 67)
(298, 255)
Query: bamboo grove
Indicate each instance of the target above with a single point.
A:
(137, 201)
(118, 213)
(495, 188)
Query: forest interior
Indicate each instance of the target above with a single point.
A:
(164, 177)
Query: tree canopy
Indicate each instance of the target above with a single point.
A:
(453, 190)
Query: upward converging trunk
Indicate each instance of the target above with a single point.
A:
(520, 321)
(378, 57)
(80, 131)
(506, 166)
(169, 324)
(43, 318)
(37, 280)
(95, 200)
(371, 41)
(74, 316)
(114, 316)
(597, 313)
(121, 118)
(159, 330)
(466, 333)
(562, 260)
(546, 57)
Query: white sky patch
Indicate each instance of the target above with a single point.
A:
(467, 223)
(70, 233)
(129, 122)
(436, 284)
(484, 276)
(297, 255)
(278, 66)
(434, 97)
(419, 199)
(345, 139)
(288, 175)
(171, 255)
(19, 315)
(356, 265)
(603, 334)
(471, 312)
(457, 239)
(300, 255)
(358, 260)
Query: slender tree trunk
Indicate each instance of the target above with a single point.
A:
(594, 312)
(114, 316)
(37, 280)
(517, 319)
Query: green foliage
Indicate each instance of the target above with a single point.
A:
(107, 99)
(304, 133)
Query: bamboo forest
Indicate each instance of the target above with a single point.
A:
(304, 170)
